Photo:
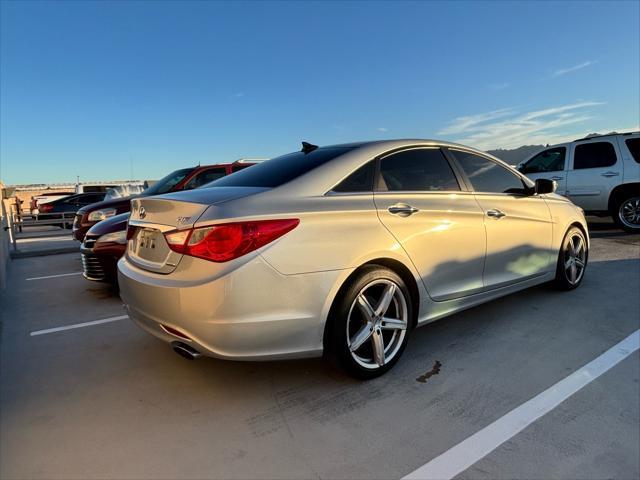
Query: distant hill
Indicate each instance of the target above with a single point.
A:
(516, 155)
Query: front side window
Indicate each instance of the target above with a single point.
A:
(551, 160)
(633, 144)
(205, 176)
(488, 176)
(359, 181)
(418, 169)
(594, 155)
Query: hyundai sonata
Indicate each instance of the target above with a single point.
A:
(344, 250)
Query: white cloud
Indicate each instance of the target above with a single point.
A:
(382, 129)
(508, 128)
(564, 71)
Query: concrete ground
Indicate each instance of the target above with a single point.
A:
(110, 401)
(39, 240)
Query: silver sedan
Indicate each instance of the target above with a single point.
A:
(343, 250)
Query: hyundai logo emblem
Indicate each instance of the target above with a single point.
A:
(142, 212)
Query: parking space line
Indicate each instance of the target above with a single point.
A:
(54, 276)
(463, 455)
(78, 325)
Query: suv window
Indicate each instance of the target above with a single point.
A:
(205, 176)
(551, 160)
(488, 176)
(594, 155)
(418, 169)
(633, 144)
(359, 181)
(280, 170)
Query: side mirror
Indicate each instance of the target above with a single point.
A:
(544, 185)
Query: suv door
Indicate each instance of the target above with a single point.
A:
(594, 171)
(551, 164)
(440, 225)
(518, 225)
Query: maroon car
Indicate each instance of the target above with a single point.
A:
(104, 241)
(183, 179)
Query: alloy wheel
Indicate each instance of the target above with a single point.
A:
(629, 212)
(377, 323)
(575, 258)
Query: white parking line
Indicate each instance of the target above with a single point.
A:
(463, 455)
(78, 325)
(54, 276)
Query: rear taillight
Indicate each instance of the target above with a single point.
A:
(221, 243)
(45, 208)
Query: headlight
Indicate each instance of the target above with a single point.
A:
(115, 237)
(99, 215)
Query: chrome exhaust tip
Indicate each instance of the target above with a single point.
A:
(185, 351)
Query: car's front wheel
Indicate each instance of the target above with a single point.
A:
(370, 323)
(572, 260)
(627, 213)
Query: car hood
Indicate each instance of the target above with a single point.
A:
(115, 203)
(113, 224)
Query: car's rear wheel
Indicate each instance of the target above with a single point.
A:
(572, 260)
(626, 213)
(371, 322)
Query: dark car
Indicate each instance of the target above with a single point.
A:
(183, 179)
(105, 242)
(68, 205)
(103, 246)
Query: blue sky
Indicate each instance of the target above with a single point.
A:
(90, 88)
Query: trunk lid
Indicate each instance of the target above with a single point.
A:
(152, 217)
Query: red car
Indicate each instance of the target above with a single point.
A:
(183, 179)
(104, 242)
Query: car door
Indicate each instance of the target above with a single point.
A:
(551, 164)
(435, 220)
(518, 224)
(596, 169)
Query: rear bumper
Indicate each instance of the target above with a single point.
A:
(250, 313)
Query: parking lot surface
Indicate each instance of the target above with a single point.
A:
(106, 400)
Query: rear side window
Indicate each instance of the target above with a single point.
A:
(633, 144)
(551, 160)
(488, 176)
(280, 170)
(359, 181)
(594, 155)
(418, 169)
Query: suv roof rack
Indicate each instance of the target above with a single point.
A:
(610, 134)
(251, 160)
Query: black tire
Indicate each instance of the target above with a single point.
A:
(626, 203)
(370, 280)
(563, 280)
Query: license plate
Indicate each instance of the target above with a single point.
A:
(146, 239)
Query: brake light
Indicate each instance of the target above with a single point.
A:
(45, 208)
(221, 243)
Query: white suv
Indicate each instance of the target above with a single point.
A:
(601, 174)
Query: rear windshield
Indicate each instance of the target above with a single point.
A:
(280, 170)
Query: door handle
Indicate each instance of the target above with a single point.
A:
(495, 213)
(402, 209)
(556, 178)
(610, 174)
